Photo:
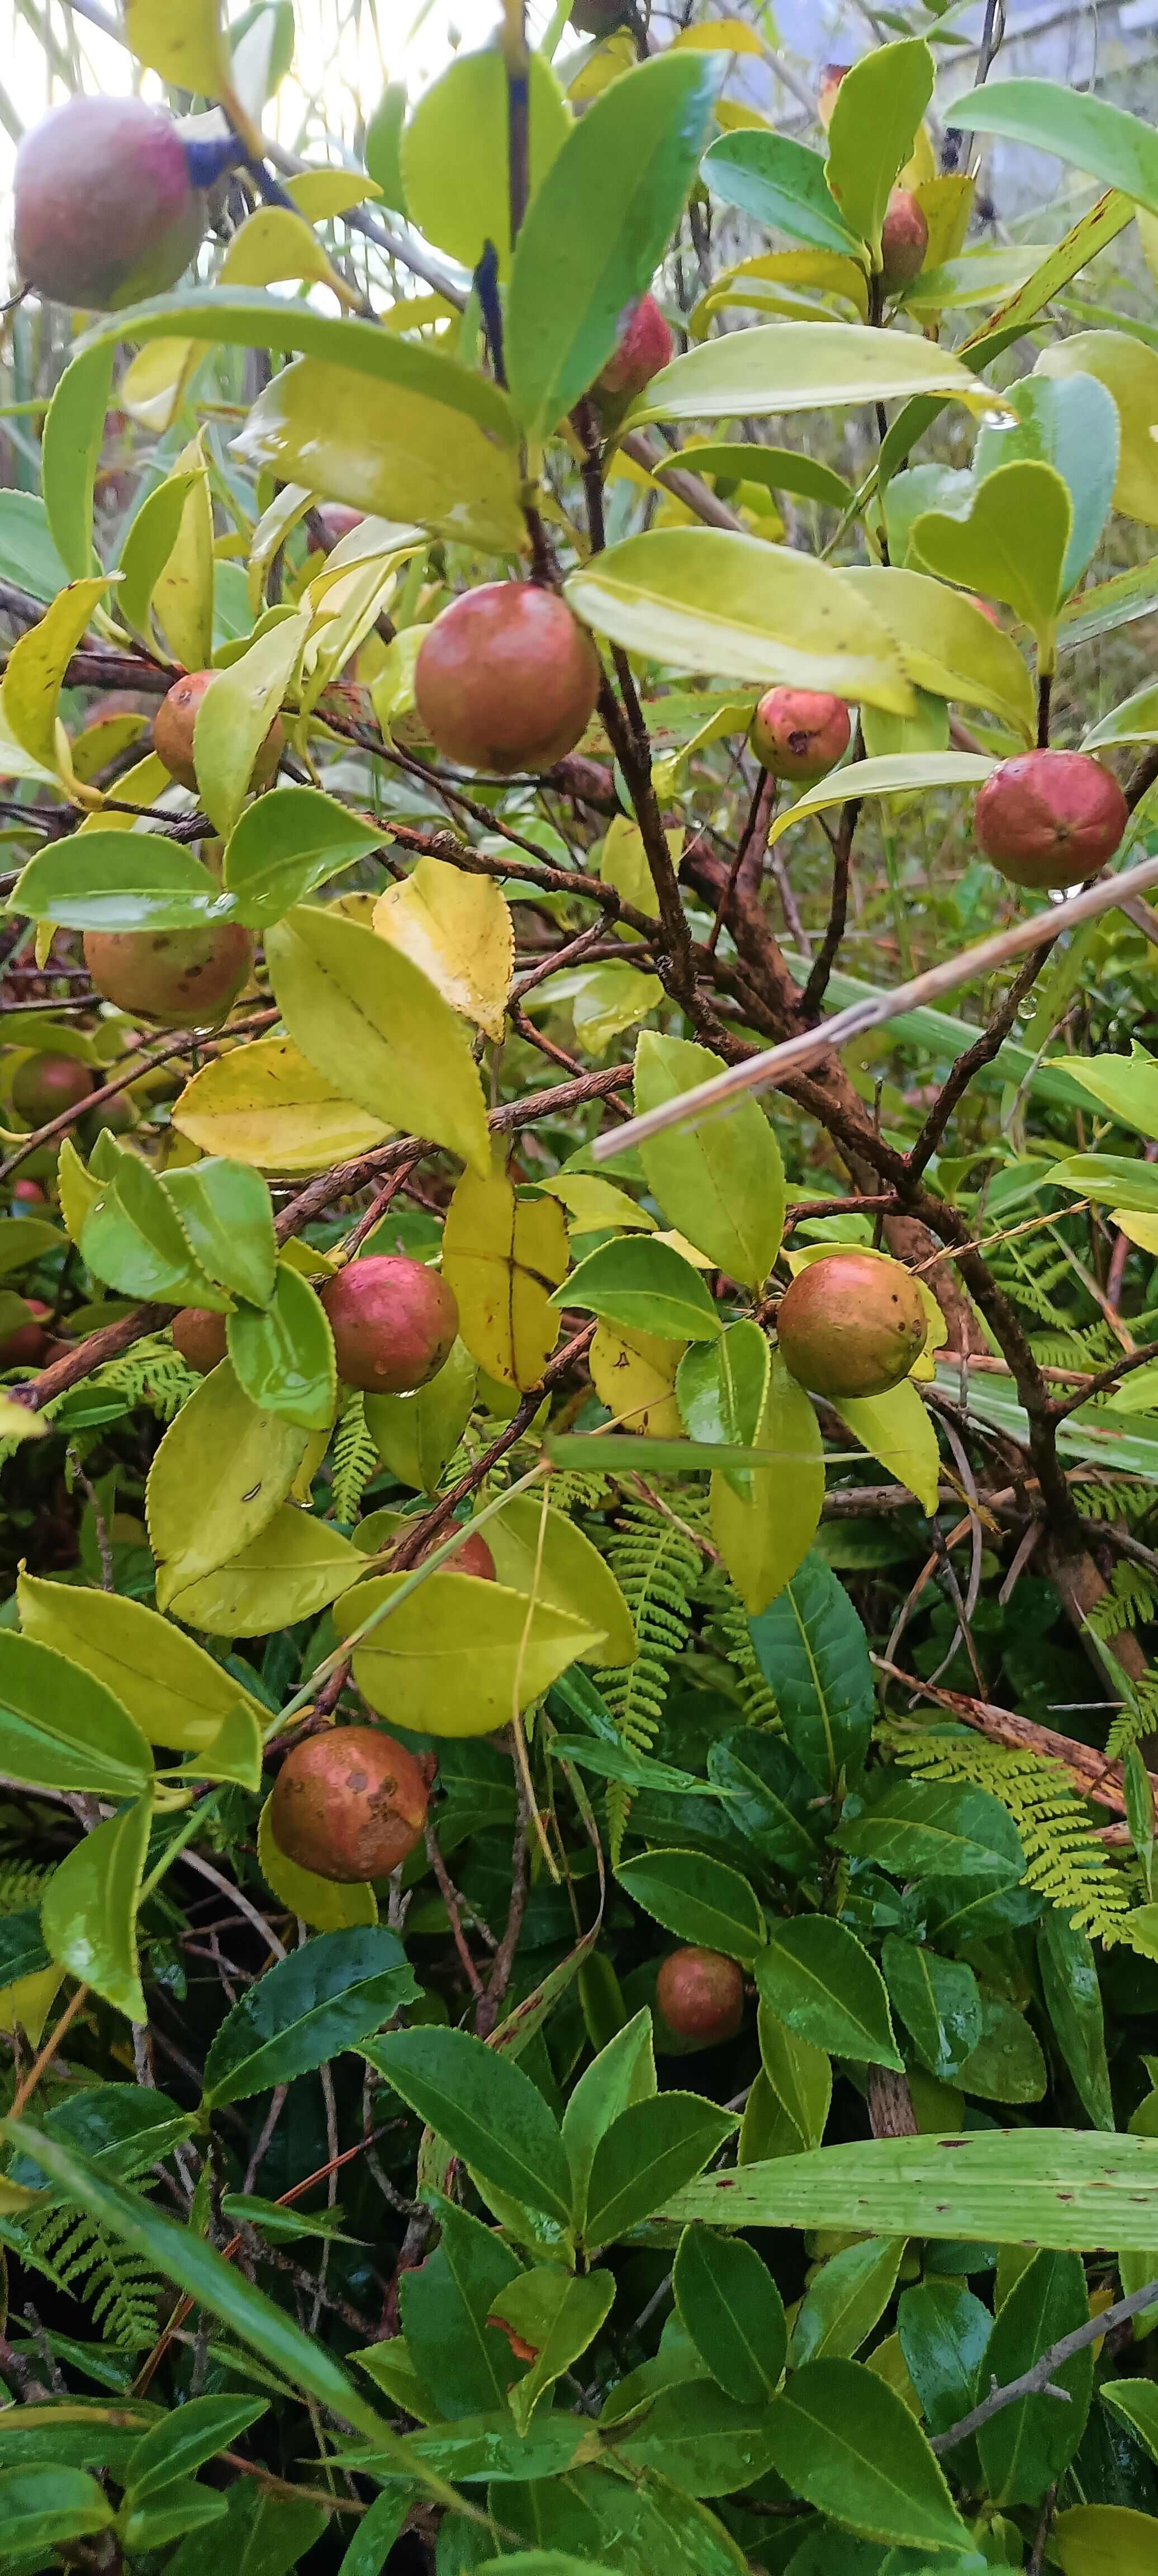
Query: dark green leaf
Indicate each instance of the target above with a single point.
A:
(41, 2508)
(192, 2434)
(1026, 2446)
(702, 2440)
(936, 1829)
(812, 1650)
(444, 2307)
(1069, 1978)
(323, 1998)
(227, 1216)
(699, 1899)
(816, 1976)
(779, 184)
(734, 2313)
(943, 2332)
(119, 881)
(770, 1795)
(938, 2001)
(645, 1287)
(650, 2151)
(846, 2442)
(487, 2110)
(286, 845)
(846, 2299)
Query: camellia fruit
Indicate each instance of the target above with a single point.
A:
(25, 1347)
(851, 1325)
(473, 1557)
(182, 979)
(831, 76)
(394, 1323)
(349, 1804)
(506, 679)
(644, 345)
(800, 734)
(29, 1194)
(199, 1336)
(106, 211)
(45, 1085)
(904, 241)
(701, 1994)
(335, 520)
(1050, 819)
(174, 727)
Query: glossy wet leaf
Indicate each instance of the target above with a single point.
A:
(799, 2075)
(1129, 371)
(929, 1829)
(503, 1255)
(174, 1692)
(133, 1239)
(648, 2152)
(783, 367)
(701, 1900)
(1007, 2064)
(643, 1286)
(294, 1566)
(938, 2002)
(266, 1104)
(457, 1657)
(306, 2009)
(89, 1908)
(722, 1184)
(489, 2112)
(417, 1434)
(1069, 1976)
(558, 2317)
(733, 2311)
(847, 2444)
(119, 881)
(818, 1978)
(283, 1355)
(781, 185)
(846, 2298)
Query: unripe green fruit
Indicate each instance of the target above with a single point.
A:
(45, 1085)
(701, 1994)
(904, 241)
(644, 345)
(26, 1346)
(800, 734)
(349, 1804)
(851, 1325)
(182, 979)
(394, 1323)
(506, 679)
(199, 1336)
(1050, 819)
(105, 210)
(174, 726)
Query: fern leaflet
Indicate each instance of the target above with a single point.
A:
(1064, 1860)
(656, 1565)
(355, 1460)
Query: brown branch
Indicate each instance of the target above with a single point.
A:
(1091, 1773)
(981, 1053)
(1035, 2382)
(826, 955)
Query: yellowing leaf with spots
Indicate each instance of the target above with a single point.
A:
(458, 929)
(266, 1104)
(634, 1375)
(36, 667)
(503, 1256)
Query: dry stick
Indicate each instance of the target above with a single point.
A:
(1091, 1772)
(1035, 2382)
(26, 2090)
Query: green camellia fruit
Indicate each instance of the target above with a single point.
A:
(800, 734)
(174, 727)
(394, 1323)
(506, 679)
(851, 1325)
(106, 211)
(700, 1994)
(182, 979)
(1049, 819)
(44, 1085)
(348, 1804)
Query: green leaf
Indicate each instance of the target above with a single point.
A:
(651, 2150)
(780, 469)
(41, 2508)
(1135, 2401)
(413, 457)
(74, 431)
(1064, 2187)
(764, 1536)
(89, 1908)
(704, 599)
(1025, 2447)
(290, 1570)
(454, 156)
(305, 2010)
(877, 110)
(222, 1470)
(729, 2304)
(119, 881)
(1103, 141)
(416, 1435)
(286, 845)
(488, 2111)
(1012, 543)
(645, 1287)
(445, 2306)
(1103, 2539)
(149, 542)
(29, 555)
(722, 1388)
(1125, 1085)
(598, 227)
(847, 2443)
(781, 185)
(133, 1238)
(558, 2316)
(812, 1650)
(1128, 370)
(235, 716)
(770, 1796)
(816, 1976)
(174, 1692)
(948, 647)
(845, 2300)
(700, 1900)
(1115, 1178)
(226, 1214)
(936, 1828)
(60, 1728)
(782, 367)
(894, 773)
(799, 2075)
(938, 2002)
(943, 2331)
(185, 2439)
(370, 1020)
(283, 1357)
(1071, 423)
(721, 1185)
(700, 2439)
(622, 2073)
(1007, 2064)
(1069, 1977)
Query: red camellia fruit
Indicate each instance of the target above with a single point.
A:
(183, 979)
(335, 520)
(174, 726)
(851, 1325)
(199, 1336)
(25, 1347)
(29, 1194)
(800, 733)
(1049, 819)
(831, 76)
(349, 1804)
(701, 1994)
(473, 1557)
(643, 346)
(393, 1322)
(506, 678)
(44, 1085)
(904, 241)
(106, 212)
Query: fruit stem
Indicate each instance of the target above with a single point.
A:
(1044, 695)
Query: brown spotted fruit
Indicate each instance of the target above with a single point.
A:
(105, 208)
(349, 1804)
(46, 1085)
(800, 734)
(1049, 819)
(174, 728)
(506, 678)
(182, 979)
(199, 1336)
(904, 241)
(851, 1325)
(701, 1994)
(394, 1323)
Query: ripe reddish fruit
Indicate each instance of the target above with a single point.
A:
(831, 76)
(335, 520)
(701, 1994)
(851, 1325)
(26, 1347)
(349, 1804)
(183, 979)
(800, 733)
(29, 1193)
(473, 1557)
(1050, 818)
(644, 345)
(44, 1085)
(173, 731)
(199, 1336)
(904, 241)
(506, 678)
(393, 1322)
(105, 208)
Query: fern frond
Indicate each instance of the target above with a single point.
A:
(757, 1698)
(574, 1490)
(1130, 1599)
(1114, 1499)
(355, 1460)
(655, 1565)
(21, 1882)
(118, 2287)
(1064, 1860)
(152, 1373)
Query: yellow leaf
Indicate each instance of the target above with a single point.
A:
(602, 67)
(764, 1536)
(399, 453)
(541, 1552)
(921, 165)
(459, 930)
(17, 1423)
(142, 785)
(183, 43)
(183, 597)
(175, 1691)
(593, 1204)
(235, 715)
(1129, 371)
(719, 36)
(324, 1903)
(266, 1104)
(273, 246)
(320, 195)
(223, 1469)
(1142, 1230)
(151, 388)
(734, 117)
(503, 1256)
(634, 1375)
(36, 666)
(294, 1567)
(26, 2006)
(457, 1656)
(897, 1429)
(372, 1022)
(946, 204)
